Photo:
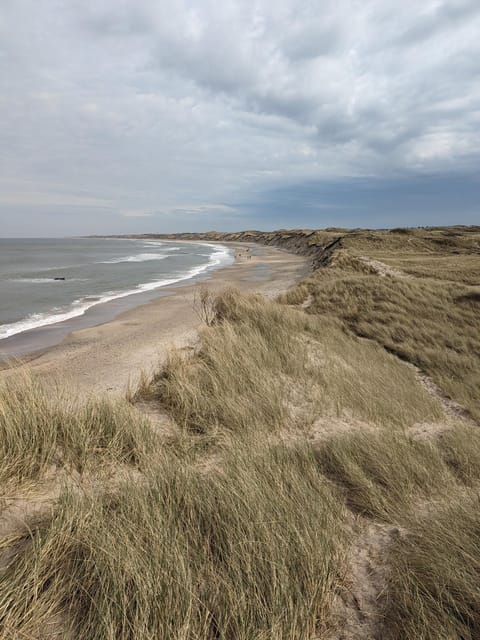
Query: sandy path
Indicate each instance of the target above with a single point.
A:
(109, 357)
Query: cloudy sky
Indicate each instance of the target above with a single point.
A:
(174, 115)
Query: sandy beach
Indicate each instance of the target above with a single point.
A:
(109, 357)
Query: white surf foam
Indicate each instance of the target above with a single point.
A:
(221, 255)
(158, 243)
(140, 257)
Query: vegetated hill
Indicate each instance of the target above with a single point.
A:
(299, 480)
(320, 243)
(424, 307)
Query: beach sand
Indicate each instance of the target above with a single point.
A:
(109, 358)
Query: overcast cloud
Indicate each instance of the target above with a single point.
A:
(143, 115)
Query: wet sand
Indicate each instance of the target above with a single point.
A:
(110, 356)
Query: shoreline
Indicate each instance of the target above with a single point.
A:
(107, 349)
(98, 308)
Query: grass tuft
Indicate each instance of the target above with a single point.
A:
(41, 428)
(383, 473)
(250, 550)
(434, 587)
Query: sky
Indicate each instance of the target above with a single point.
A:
(135, 116)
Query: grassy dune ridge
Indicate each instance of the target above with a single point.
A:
(433, 324)
(305, 483)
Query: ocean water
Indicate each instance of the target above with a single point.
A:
(95, 271)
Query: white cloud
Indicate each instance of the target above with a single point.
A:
(147, 105)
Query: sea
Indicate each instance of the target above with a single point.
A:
(50, 280)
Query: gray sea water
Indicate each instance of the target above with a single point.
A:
(45, 281)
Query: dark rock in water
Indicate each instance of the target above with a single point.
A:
(59, 278)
